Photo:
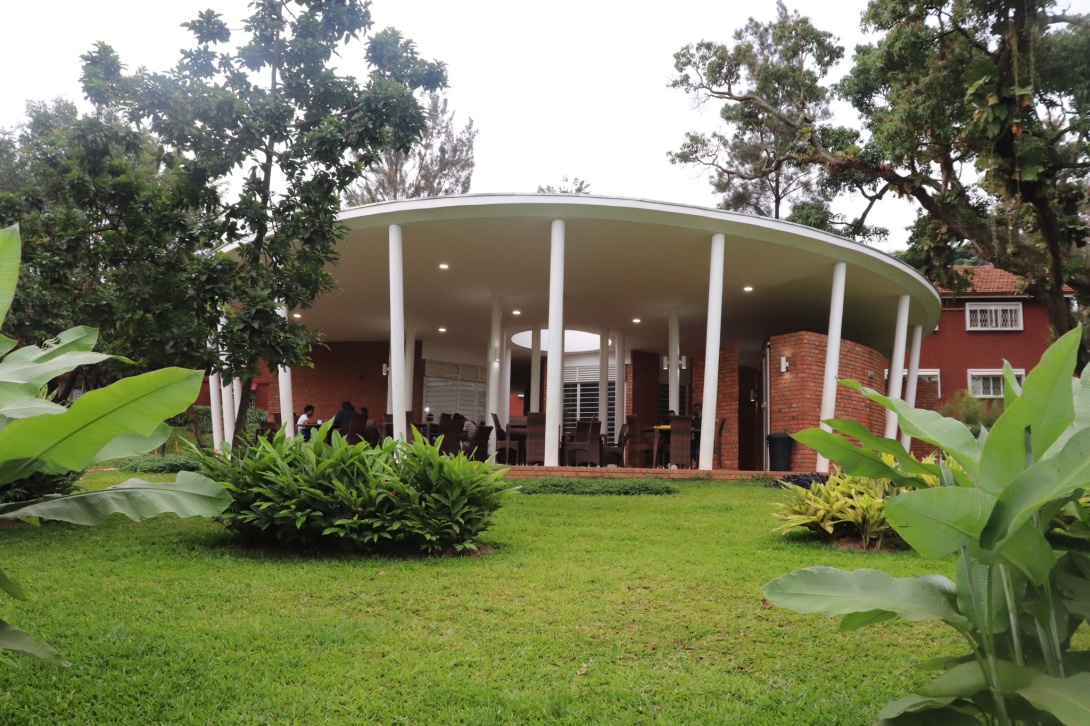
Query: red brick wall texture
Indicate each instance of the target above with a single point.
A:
(795, 398)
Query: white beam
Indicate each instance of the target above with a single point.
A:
(410, 363)
(674, 362)
(216, 403)
(621, 396)
(505, 384)
(832, 354)
(535, 369)
(554, 402)
(287, 405)
(397, 332)
(603, 377)
(897, 363)
(495, 366)
(227, 394)
(913, 374)
(712, 343)
(236, 388)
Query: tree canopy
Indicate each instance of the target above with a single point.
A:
(976, 110)
(441, 164)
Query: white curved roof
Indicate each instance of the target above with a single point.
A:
(625, 259)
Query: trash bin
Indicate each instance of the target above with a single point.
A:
(779, 451)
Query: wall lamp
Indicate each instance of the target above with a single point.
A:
(784, 364)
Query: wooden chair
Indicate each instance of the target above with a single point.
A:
(681, 442)
(451, 431)
(641, 446)
(357, 428)
(587, 447)
(535, 439)
(503, 444)
(614, 453)
(478, 449)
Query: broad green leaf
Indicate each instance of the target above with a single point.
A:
(1028, 551)
(18, 641)
(192, 495)
(933, 715)
(912, 704)
(834, 592)
(1068, 699)
(26, 377)
(27, 406)
(893, 447)
(10, 254)
(855, 621)
(81, 339)
(948, 434)
(966, 680)
(851, 458)
(938, 521)
(131, 445)
(11, 587)
(979, 598)
(6, 344)
(1053, 478)
(71, 440)
(1012, 389)
(1082, 399)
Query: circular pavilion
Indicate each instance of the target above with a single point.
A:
(448, 301)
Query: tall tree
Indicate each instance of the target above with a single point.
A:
(575, 185)
(978, 110)
(441, 164)
(264, 140)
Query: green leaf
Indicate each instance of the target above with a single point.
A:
(834, 592)
(131, 445)
(946, 433)
(1052, 478)
(6, 344)
(80, 339)
(1081, 401)
(1068, 699)
(25, 377)
(1028, 551)
(979, 599)
(11, 587)
(912, 704)
(851, 458)
(966, 680)
(854, 621)
(70, 441)
(18, 641)
(893, 447)
(10, 252)
(938, 521)
(192, 495)
(1012, 389)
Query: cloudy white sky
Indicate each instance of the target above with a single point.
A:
(568, 87)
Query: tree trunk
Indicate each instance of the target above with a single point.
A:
(195, 425)
(243, 408)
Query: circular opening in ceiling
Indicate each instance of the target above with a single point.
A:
(575, 341)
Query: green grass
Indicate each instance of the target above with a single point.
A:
(590, 610)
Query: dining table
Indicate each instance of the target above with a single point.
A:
(662, 438)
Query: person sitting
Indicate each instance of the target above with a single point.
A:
(469, 430)
(698, 420)
(303, 425)
(342, 422)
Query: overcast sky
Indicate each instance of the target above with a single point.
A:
(568, 87)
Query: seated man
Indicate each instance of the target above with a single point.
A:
(303, 425)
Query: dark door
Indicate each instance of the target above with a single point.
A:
(749, 419)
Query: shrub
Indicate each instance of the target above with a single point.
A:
(799, 480)
(309, 495)
(598, 487)
(254, 417)
(39, 485)
(166, 464)
(973, 412)
(839, 506)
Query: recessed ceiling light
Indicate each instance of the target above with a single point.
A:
(444, 266)
(297, 315)
(516, 312)
(442, 330)
(635, 320)
(747, 288)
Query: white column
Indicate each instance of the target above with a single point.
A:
(554, 402)
(913, 374)
(410, 362)
(215, 402)
(287, 405)
(495, 367)
(832, 354)
(710, 400)
(227, 392)
(674, 362)
(603, 378)
(236, 388)
(397, 332)
(897, 364)
(505, 382)
(535, 369)
(621, 395)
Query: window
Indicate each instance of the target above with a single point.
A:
(989, 384)
(455, 388)
(993, 316)
(581, 397)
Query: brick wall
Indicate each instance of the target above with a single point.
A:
(726, 402)
(349, 371)
(795, 398)
(643, 398)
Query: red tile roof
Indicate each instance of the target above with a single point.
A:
(988, 280)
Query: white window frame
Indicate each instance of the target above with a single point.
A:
(972, 373)
(992, 311)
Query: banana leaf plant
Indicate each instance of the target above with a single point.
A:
(1016, 601)
(38, 435)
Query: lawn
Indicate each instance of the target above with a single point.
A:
(589, 610)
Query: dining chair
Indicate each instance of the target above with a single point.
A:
(641, 446)
(681, 442)
(535, 439)
(503, 443)
(614, 453)
(586, 445)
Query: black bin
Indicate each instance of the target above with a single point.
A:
(779, 451)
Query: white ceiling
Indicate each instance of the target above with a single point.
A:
(624, 259)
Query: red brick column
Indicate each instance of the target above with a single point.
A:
(726, 399)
